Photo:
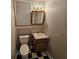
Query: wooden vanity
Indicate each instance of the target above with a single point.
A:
(40, 41)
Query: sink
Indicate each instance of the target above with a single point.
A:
(40, 35)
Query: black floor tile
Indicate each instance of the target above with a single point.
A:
(32, 50)
(19, 57)
(35, 58)
(46, 57)
(39, 54)
(30, 55)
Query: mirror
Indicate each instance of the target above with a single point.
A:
(37, 17)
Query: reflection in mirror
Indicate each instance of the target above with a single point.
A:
(37, 17)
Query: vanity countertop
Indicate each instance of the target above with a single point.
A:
(40, 35)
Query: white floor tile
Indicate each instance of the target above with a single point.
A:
(40, 57)
(34, 55)
(44, 53)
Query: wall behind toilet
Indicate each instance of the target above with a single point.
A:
(27, 5)
(56, 24)
(28, 29)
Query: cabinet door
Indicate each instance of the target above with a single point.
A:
(41, 44)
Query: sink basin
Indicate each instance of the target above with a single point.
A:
(40, 35)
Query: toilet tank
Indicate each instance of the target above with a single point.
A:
(23, 39)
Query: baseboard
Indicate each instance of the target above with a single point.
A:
(49, 55)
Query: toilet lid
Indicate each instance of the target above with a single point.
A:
(24, 49)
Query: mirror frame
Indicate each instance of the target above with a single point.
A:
(32, 17)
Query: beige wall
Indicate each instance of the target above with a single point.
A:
(23, 10)
(56, 23)
(28, 29)
(13, 33)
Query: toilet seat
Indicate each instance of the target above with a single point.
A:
(24, 49)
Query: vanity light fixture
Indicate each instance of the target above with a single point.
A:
(38, 9)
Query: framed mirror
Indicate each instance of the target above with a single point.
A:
(37, 17)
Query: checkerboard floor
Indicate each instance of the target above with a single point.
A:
(34, 55)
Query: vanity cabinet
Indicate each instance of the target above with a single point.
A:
(39, 44)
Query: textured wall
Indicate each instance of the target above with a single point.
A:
(23, 15)
(29, 29)
(24, 8)
(56, 23)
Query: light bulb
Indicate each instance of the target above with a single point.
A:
(33, 8)
(41, 8)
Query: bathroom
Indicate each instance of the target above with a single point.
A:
(39, 29)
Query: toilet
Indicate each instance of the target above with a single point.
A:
(24, 49)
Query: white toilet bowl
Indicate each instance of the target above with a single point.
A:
(24, 51)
